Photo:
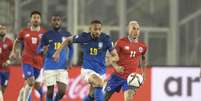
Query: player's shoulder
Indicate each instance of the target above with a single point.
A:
(8, 39)
(142, 43)
(65, 32)
(26, 29)
(122, 40)
(105, 36)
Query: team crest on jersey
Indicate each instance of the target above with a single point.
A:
(141, 49)
(5, 46)
(100, 45)
(126, 48)
(27, 35)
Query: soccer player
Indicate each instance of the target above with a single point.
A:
(94, 45)
(130, 51)
(6, 45)
(55, 71)
(31, 61)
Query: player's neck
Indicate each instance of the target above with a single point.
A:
(35, 28)
(132, 39)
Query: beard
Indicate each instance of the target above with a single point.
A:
(2, 36)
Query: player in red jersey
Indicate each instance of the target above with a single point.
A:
(6, 45)
(31, 61)
(130, 51)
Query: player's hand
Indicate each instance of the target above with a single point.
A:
(13, 55)
(119, 69)
(56, 56)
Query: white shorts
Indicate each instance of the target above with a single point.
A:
(51, 77)
(86, 73)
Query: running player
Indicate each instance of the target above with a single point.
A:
(130, 51)
(31, 62)
(94, 45)
(55, 71)
(6, 45)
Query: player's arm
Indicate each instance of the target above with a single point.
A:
(8, 61)
(143, 63)
(70, 56)
(66, 42)
(15, 46)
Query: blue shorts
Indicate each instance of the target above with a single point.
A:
(4, 76)
(30, 71)
(116, 83)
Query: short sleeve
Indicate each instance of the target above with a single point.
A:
(44, 40)
(80, 38)
(144, 50)
(21, 35)
(109, 43)
(118, 45)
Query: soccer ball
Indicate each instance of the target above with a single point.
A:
(135, 80)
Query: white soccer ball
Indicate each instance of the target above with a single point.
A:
(135, 79)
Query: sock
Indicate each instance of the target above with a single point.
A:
(20, 96)
(58, 96)
(98, 94)
(27, 92)
(48, 99)
(30, 98)
(88, 98)
(1, 96)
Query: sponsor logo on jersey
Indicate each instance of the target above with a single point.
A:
(100, 45)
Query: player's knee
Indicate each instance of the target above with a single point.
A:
(61, 93)
(30, 81)
(50, 94)
(96, 81)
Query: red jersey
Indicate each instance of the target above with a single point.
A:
(5, 48)
(129, 55)
(30, 40)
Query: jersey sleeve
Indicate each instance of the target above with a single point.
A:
(80, 38)
(21, 35)
(109, 43)
(117, 45)
(10, 45)
(144, 50)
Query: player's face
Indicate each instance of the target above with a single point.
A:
(56, 22)
(35, 20)
(95, 30)
(3, 31)
(134, 30)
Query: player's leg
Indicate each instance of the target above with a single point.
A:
(90, 96)
(30, 80)
(49, 81)
(129, 91)
(128, 95)
(114, 84)
(1, 96)
(50, 92)
(97, 82)
(38, 75)
(62, 82)
(5, 78)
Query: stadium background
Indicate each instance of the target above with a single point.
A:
(171, 28)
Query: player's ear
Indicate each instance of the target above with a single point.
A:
(90, 28)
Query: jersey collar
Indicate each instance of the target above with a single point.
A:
(133, 40)
(35, 29)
